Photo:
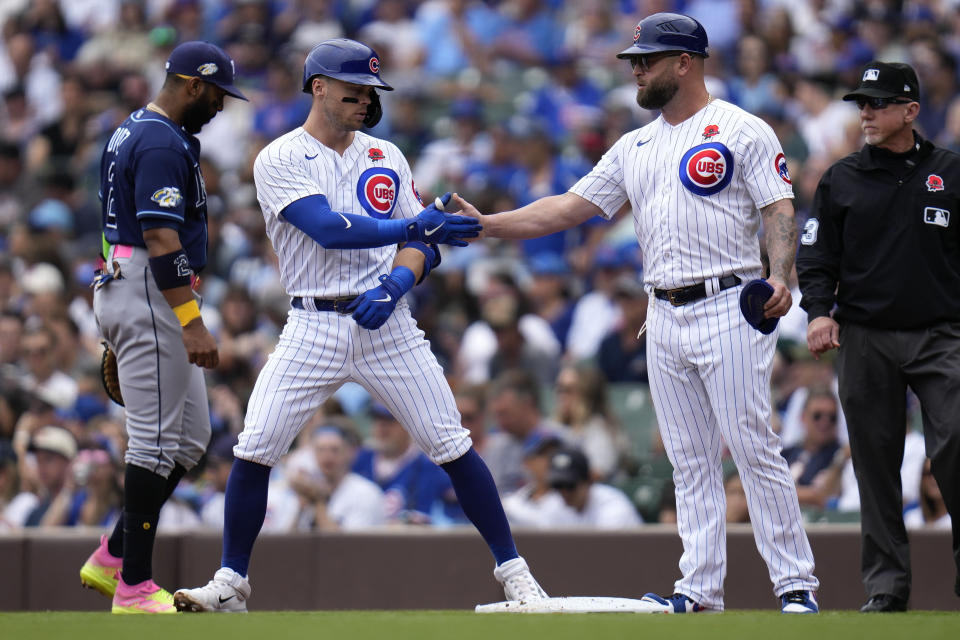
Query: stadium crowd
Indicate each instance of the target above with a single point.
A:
(503, 101)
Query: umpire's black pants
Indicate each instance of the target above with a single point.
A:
(875, 366)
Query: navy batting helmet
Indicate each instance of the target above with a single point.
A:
(668, 32)
(346, 60)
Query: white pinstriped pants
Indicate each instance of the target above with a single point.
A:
(320, 350)
(710, 381)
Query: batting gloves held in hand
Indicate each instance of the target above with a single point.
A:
(372, 308)
(434, 226)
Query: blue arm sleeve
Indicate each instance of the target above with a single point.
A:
(335, 230)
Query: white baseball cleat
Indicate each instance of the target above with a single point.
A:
(226, 593)
(518, 583)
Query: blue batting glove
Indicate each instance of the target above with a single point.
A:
(372, 308)
(433, 226)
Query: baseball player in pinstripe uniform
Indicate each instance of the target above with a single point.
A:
(336, 203)
(699, 179)
(155, 235)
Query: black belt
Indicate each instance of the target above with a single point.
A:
(685, 295)
(336, 304)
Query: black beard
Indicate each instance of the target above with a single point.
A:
(657, 94)
(195, 116)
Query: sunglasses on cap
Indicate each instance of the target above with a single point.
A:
(879, 103)
(647, 60)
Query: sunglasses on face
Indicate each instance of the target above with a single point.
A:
(647, 60)
(879, 103)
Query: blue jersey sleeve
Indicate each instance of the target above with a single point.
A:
(161, 177)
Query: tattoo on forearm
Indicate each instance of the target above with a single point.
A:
(781, 236)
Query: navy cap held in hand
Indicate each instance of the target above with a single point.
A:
(754, 295)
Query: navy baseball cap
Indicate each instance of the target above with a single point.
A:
(754, 295)
(206, 61)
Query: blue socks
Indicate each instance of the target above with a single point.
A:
(243, 513)
(480, 501)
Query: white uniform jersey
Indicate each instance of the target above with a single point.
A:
(695, 190)
(372, 179)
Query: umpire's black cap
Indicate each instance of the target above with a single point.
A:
(206, 61)
(887, 80)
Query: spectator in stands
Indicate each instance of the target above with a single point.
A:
(471, 403)
(622, 356)
(932, 512)
(96, 498)
(53, 449)
(416, 491)
(596, 312)
(285, 106)
(9, 483)
(337, 499)
(549, 293)
(515, 403)
(11, 334)
(219, 461)
(513, 350)
(455, 35)
(42, 375)
(581, 406)
(754, 88)
(594, 505)
(937, 70)
(536, 504)
(817, 463)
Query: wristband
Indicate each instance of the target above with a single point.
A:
(171, 270)
(187, 312)
(431, 254)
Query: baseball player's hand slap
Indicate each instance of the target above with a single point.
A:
(780, 302)
(434, 226)
(823, 334)
(201, 345)
(372, 308)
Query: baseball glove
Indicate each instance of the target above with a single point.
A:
(110, 375)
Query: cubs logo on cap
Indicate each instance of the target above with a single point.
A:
(377, 191)
(934, 182)
(707, 168)
(780, 164)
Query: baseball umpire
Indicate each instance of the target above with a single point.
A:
(883, 245)
(154, 217)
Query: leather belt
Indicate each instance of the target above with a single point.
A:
(685, 295)
(336, 304)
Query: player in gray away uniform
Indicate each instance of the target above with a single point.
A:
(337, 202)
(698, 179)
(155, 241)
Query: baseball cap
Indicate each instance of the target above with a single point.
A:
(568, 468)
(56, 440)
(887, 80)
(206, 61)
(378, 410)
(540, 442)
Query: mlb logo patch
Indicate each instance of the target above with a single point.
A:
(936, 217)
(871, 74)
(934, 182)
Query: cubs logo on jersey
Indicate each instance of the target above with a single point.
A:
(413, 185)
(707, 168)
(780, 164)
(377, 191)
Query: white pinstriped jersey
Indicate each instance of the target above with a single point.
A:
(372, 179)
(696, 190)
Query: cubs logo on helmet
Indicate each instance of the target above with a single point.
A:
(374, 65)
(780, 164)
(707, 168)
(377, 191)
(934, 182)
(636, 33)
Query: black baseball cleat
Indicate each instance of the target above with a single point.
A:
(884, 603)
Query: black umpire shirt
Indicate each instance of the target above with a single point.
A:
(883, 240)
